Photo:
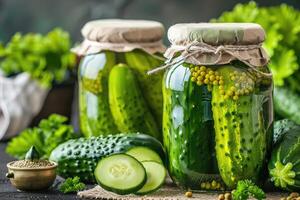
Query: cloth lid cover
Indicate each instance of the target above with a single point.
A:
(217, 33)
(121, 36)
(218, 43)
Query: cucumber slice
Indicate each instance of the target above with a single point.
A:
(144, 154)
(120, 173)
(156, 174)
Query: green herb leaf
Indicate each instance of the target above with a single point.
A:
(72, 185)
(46, 58)
(49, 134)
(282, 26)
(246, 189)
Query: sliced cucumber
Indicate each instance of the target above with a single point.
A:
(120, 173)
(156, 174)
(144, 154)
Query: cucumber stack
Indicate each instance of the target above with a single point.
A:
(79, 157)
(140, 171)
(116, 94)
(94, 93)
(121, 163)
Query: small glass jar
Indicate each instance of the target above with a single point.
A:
(115, 93)
(217, 117)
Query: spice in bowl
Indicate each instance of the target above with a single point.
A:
(32, 164)
(31, 173)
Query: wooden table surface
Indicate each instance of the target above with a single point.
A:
(8, 192)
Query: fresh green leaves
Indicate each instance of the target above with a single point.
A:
(282, 26)
(46, 58)
(49, 134)
(72, 185)
(246, 189)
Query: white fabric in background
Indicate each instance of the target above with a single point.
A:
(21, 99)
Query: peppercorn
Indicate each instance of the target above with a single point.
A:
(221, 197)
(227, 196)
(202, 185)
(294, 194)
(188, 194)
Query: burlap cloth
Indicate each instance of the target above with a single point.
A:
(168, 192)
(216, 44)
(121, 36)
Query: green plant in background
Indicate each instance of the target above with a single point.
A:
(45, 137)
(282, 26)
(47, 58)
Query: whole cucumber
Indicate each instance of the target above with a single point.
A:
(128, 107)
(95, 116)
(284, 166)
(241, 126)
(151, 85)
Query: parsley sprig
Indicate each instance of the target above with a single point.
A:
(71, 185)
(246, 189)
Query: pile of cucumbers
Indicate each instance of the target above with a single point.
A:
(122, 163)
(124, 97)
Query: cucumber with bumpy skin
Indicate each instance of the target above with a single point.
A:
(240, 127)
(151, 85)
(95, 115)
(79, 157)
(188, 129)
(284, 166)
(120, 173)
(128, 107)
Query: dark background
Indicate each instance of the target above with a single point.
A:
(43, 15)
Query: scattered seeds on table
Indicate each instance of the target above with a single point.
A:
(188, 194)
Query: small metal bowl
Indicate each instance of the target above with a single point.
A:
(29, 179)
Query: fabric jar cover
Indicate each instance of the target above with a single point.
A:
(218, 43)
(121, 36)
(21, 98)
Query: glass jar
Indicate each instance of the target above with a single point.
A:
(217, 117)
(115, 93)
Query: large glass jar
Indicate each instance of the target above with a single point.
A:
(217, 117)
(115, 92)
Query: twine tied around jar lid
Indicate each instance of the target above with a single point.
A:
(205, 44)
(121, 36)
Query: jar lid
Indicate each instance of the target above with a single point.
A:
(216, 44)
(123, 31)
(121, 36)
(216, 33)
